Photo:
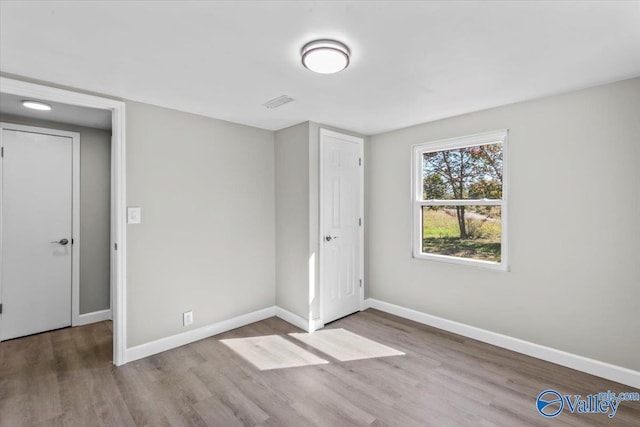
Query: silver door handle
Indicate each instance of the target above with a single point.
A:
(62, 242)
(330, 238)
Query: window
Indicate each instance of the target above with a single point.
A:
(460, 200)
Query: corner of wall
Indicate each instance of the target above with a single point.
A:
(292, 194)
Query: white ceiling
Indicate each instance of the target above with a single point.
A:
(60, 113)
(412, 62)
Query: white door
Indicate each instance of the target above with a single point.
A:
(340, 225)
(36, 226)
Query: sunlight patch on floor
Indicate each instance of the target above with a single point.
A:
(272, 352)
(344, 345)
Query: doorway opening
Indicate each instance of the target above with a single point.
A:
(115, 233)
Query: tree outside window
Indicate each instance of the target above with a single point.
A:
(460, 201)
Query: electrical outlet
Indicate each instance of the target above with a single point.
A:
(187, 318)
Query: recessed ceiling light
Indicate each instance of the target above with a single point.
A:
(35, 105)
(325, 56)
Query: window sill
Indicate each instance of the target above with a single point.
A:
(500, 266)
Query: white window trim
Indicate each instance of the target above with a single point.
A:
(417, 202)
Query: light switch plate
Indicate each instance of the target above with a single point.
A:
(134, 215)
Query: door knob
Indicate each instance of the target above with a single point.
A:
(62, 242)
(330, 238)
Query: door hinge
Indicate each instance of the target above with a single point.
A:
(360, 282)
(0, 308)
(359, 161)
(1, 151)
(360, 222)
(72, 240)
(115, 246)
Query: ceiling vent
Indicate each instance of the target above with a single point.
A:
(277, 102)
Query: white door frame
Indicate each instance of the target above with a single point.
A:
(118, 192)
(75, 204)
(360, 142)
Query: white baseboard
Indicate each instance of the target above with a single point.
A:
(96, 316)
(300, 322)
(164, 344)
(570, 360)
(292, 318)
(316, 324)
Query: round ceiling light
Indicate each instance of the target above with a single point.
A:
(35, 105)
(325, 56)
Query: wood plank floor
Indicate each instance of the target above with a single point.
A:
(65, 378)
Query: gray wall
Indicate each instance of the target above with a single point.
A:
(292, 218)
(207, 238)
(574, 283)
(95, 210)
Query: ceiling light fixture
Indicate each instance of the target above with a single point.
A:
(35, 105)
(325, 56)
